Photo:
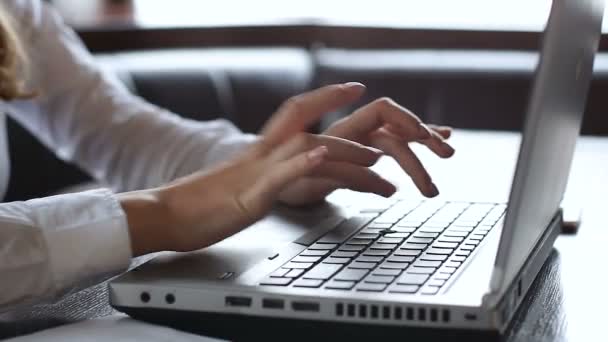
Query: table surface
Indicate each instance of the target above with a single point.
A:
(567, 300)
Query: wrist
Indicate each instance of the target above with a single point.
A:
(146, 220)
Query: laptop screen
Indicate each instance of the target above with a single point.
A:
(552, 126)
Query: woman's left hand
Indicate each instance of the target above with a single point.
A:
(389, 127)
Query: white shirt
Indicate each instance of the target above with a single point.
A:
(52, 245)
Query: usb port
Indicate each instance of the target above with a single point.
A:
(238, 301)
(305, 306)
(269, 303)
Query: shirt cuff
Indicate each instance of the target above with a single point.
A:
(86, 235)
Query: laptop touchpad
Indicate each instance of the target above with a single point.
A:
(238, 253)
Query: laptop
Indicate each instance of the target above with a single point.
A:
(401, 263)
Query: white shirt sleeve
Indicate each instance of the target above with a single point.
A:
(51, 245)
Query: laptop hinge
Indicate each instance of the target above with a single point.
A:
(503, 304)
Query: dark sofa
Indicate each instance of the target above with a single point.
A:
(471, 89)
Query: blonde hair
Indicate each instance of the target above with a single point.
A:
(12, 61)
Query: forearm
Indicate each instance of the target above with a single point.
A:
(54, 245)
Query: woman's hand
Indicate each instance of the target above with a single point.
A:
(198, 210)
(385, 125)
(206, 207)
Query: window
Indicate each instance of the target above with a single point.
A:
(512, 15)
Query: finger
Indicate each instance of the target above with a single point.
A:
(408, 161)
(288, 171)
(435, 142)
(339, 149)
(378, 114)
(444, 131)
(355, 177)
(300, 112)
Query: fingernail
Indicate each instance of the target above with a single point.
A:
(424, 131)
(434, 192)
(351, 85)
(448, 149)
(317, 155)
(390, 191)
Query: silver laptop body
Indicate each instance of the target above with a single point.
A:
(473, 279)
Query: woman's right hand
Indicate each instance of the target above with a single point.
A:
(201, 209)
(198, 210)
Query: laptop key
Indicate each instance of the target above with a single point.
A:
(472, 242)
(313, 283)
(377, 252)
(404, 229)
(449, 270)
(397, 235)
(306, 259)
(379, 279)
(460, 252)
(461, 229)
(395, 265)
(426, 235)
(351, 248)
(445, 245)
(362, 265)
(366, 258)
(272, 281)
(425, 229)
(404, 289)
(467, 247)
(386, 272)
(322, 271)
(397, 258)
(344, 254)
(427, 263)
(443, 251)
(442, 276)
(429, 290)
(454, 264)
(421, 270)
(457, 239)
(361, 242)
(367, 236)
(412, 279)
(298, 265)
(436, 282)
(455, 233)
(389, 247)
(340, 285)
(318, 253)
(407, 252)
(458, 258)
(323, 246)
(420, 240)
(350, 274)
(390, 240)
(434, 257)
(332, 260)
(413, 246)
(281, 272)
(294, 273)
(371, 287)
(476, 237)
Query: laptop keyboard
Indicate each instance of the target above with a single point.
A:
(409, 247)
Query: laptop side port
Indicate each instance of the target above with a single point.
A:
(271, 303)
(305, 306)
(238, 301)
